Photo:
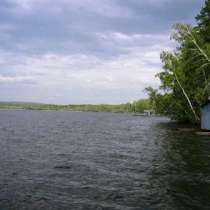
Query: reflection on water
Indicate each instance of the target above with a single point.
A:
(63, 161)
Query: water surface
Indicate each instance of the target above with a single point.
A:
(65, 160)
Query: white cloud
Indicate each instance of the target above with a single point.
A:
(6, 79)
(59, 73)
(51, 71)
(135, 38)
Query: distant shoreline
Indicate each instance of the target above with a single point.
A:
(135, 107)
(54, 110)
(134, 114)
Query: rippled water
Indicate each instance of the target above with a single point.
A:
(64, 161)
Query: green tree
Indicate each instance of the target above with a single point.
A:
(185, 77)
(203, 20)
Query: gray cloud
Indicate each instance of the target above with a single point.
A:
(102, 46)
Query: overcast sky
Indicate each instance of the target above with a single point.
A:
(85, 51)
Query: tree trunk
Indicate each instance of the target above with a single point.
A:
(197, 118)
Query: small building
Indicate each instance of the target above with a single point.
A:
(205, 116)
(149, 112)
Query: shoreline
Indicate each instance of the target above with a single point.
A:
(54, 110)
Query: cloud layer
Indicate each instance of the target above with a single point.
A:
(84, 51)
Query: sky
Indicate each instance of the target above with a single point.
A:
(85, 51)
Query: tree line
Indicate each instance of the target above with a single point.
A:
(136, 106)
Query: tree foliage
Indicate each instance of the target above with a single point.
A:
(185, 77)
(203, 20)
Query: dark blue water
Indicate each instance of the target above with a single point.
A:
(64, 161)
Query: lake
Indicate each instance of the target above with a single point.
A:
(73, 160)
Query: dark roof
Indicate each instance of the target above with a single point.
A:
(207, 102)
